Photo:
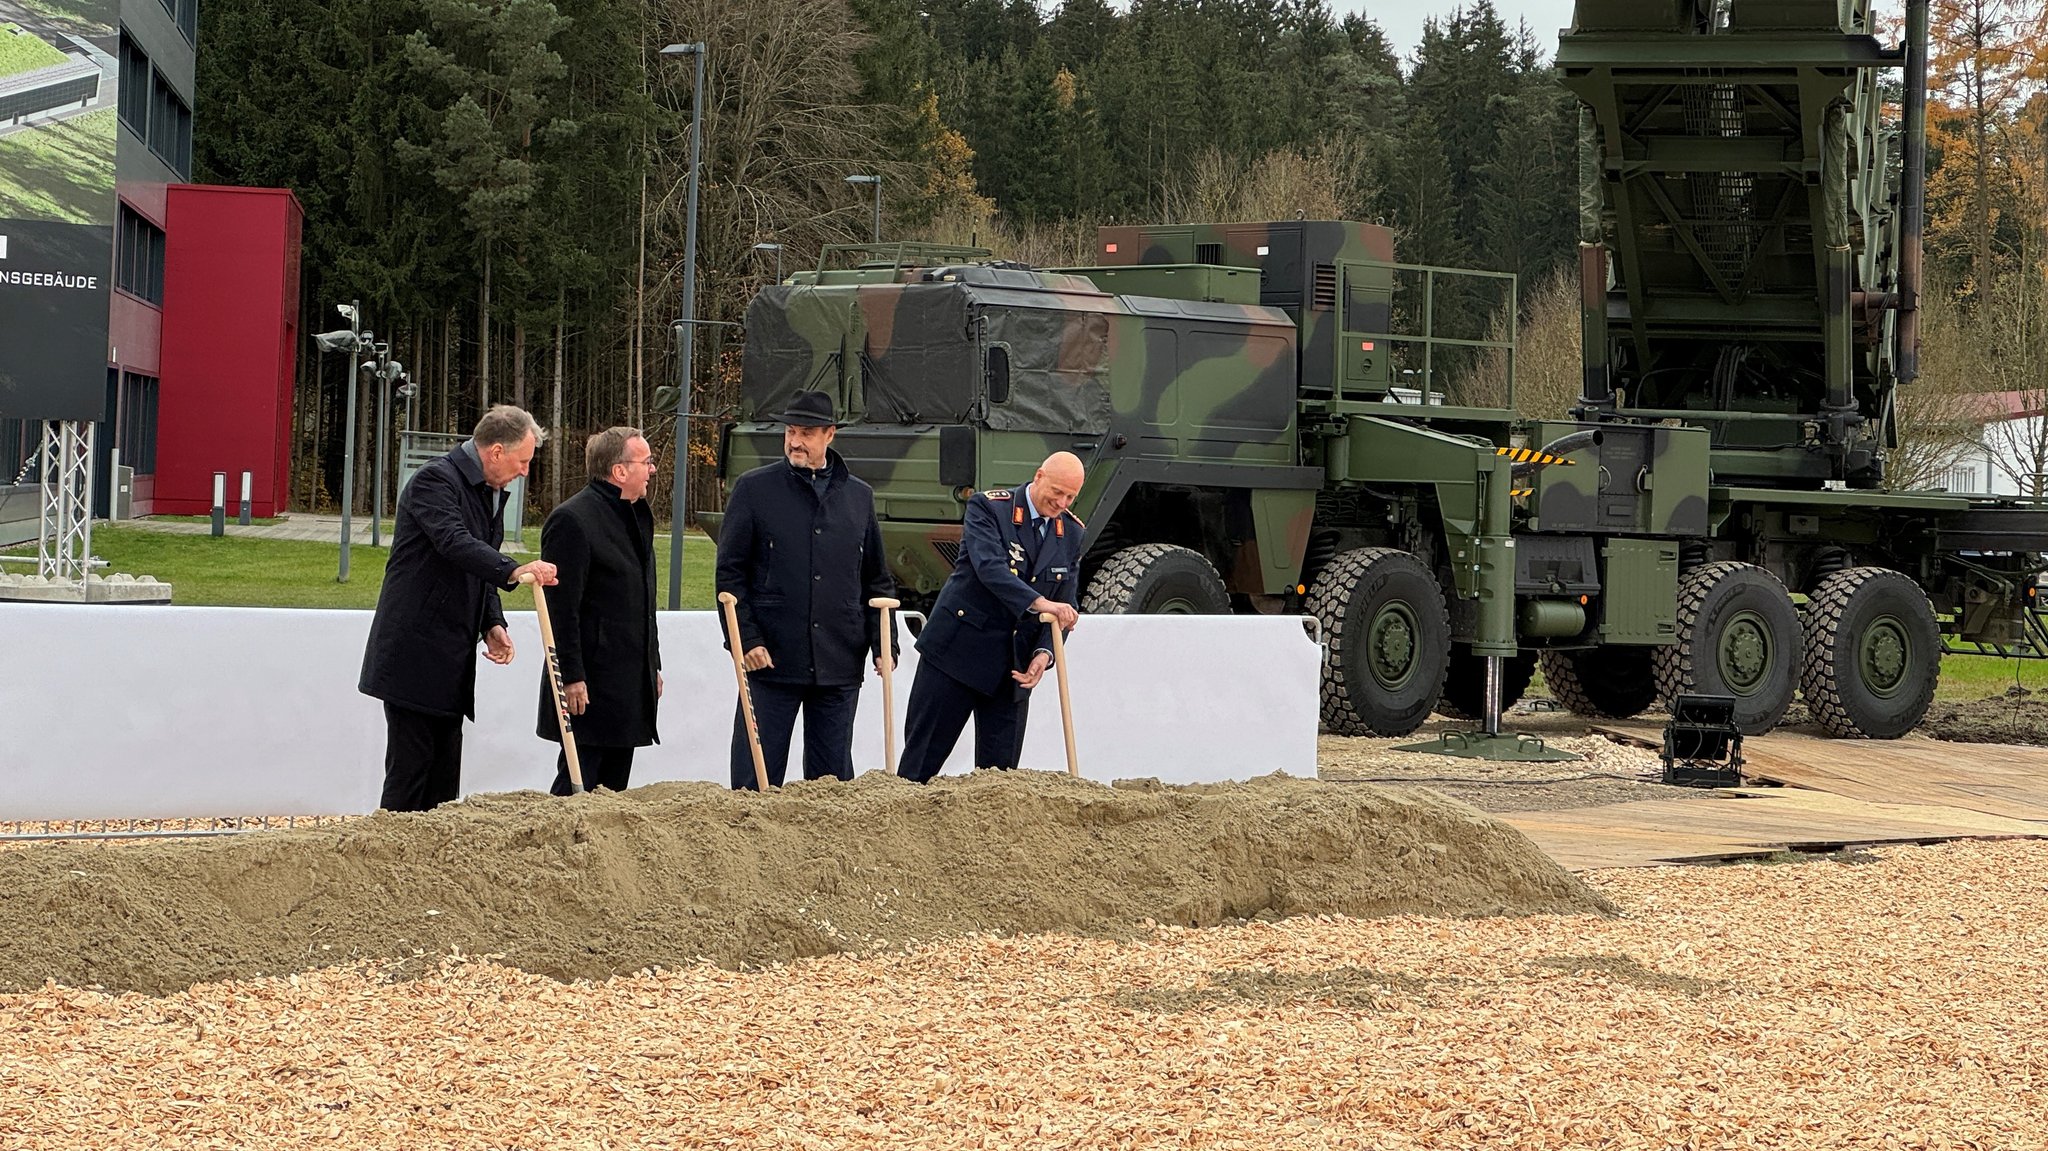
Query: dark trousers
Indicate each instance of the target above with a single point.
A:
(939, 707)
(422, 759)
(828, 730)
(606, 767)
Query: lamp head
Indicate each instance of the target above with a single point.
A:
(341, 341)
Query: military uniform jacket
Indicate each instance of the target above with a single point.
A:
(981, 628)
(602, 608)
(804, 568)
(440, 592)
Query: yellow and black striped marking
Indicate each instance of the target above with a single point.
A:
(1531, 456)
(1521, 493)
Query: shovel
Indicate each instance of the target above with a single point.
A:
(1059, 663)
(888, 691)
(547, 641)
(729, 602)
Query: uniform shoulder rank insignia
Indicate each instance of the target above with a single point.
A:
(1077, 520)
(997, 494)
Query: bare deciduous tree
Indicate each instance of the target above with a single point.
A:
(1547, 372)
(783, 127)
(1281, 185)
(1938, 417)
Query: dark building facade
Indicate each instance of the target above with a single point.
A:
(202, 310)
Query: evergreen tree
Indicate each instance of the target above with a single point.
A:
(1528, 187)
(1463, 79)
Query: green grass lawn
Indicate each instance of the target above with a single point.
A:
(61, 171)
(24, 51)
(1963, 677)
(206, 571)
(1980, 676)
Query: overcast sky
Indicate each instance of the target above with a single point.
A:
(1403, 19)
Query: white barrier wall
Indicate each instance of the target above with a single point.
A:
(161, 712)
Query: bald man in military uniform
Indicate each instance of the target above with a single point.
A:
(985, 647)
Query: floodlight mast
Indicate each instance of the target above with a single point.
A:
(352, 340)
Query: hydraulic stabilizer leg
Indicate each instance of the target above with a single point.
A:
(1492, 696)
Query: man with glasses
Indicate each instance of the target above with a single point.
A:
(802, 551)
(601, 541)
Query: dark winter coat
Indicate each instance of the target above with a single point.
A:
(440, 592)
(804, 568)
(602, 608)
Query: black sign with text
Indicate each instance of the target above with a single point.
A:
(58, 106)
(54, 297)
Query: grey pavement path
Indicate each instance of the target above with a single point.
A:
(305, 526)
(290, 527)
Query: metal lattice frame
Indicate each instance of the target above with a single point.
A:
(64, 547)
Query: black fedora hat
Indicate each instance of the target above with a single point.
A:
(810, 410)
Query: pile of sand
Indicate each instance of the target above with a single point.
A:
(673, 873)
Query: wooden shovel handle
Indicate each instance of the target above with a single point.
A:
(547, 642)
(728, 603)
(888, 605)
(1059, 665)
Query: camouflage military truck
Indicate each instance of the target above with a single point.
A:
(1711, 520)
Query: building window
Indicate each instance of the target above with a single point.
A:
(186, 14)
(170, 126)
(139, 256)
(137, 423)
(134, 94)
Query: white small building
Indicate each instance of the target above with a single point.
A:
(2009, 452)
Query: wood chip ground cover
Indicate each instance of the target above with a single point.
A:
(1894, 1002)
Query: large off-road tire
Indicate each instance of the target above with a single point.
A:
(1873, 654)
(1465, 685)
(1389, 641)
(1738, 635)
(1613, 682)
(1156, 579)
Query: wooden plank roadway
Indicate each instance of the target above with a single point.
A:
(1839, 793)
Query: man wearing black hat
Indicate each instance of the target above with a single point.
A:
(802, 551)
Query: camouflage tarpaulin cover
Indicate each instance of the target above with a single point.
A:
(1059, 370)
(796, 340)
(921, 366)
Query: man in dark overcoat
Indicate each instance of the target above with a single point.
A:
(439, 599)
(985, 647)
(601, 541)
(801, 549)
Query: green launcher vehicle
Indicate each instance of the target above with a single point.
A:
(1261, 412)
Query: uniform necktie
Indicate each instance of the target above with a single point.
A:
(1038, 522)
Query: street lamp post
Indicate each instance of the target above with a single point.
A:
(351, 339)
(376, 370)
(877, 182)
(386, 372)
(680, 482)
(777, 249)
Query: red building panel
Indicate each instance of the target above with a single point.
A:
(134, 335)
(230, 346)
